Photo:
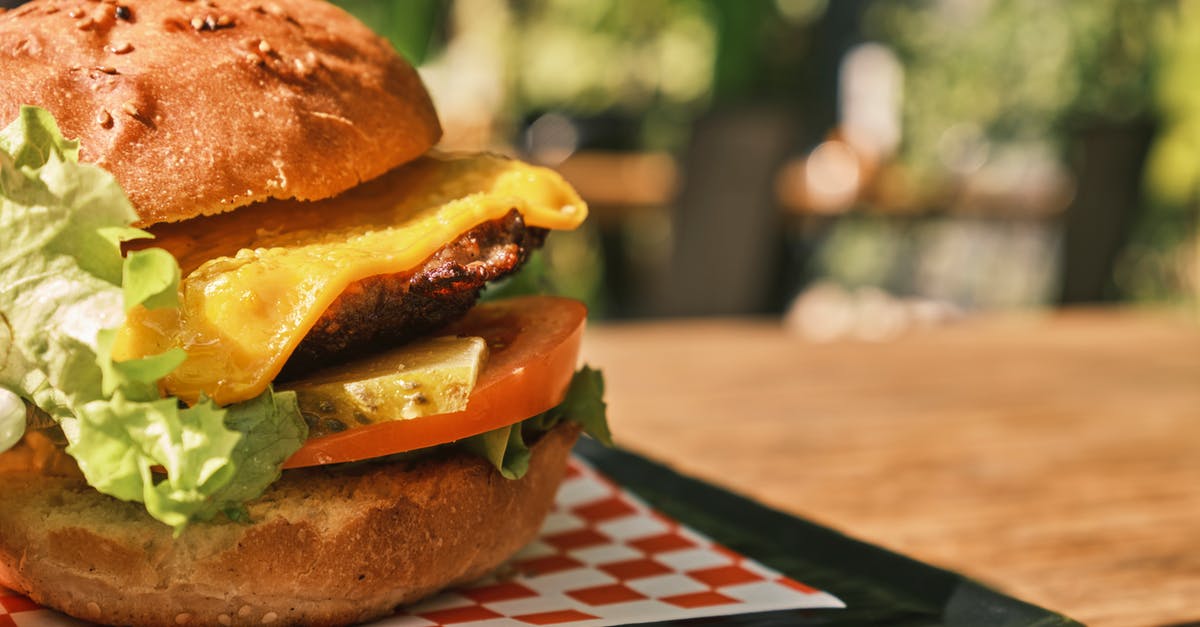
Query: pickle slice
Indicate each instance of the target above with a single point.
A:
(423, 378)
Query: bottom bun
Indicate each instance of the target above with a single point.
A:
(329, 545)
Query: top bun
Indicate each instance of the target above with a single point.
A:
(202, 106)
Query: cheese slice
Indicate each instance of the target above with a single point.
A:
(259, 278)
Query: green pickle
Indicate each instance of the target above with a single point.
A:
(424, 378)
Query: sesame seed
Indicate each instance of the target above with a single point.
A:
(51, 10)
(198, 23)
(269, 618)
(130, 109)
(210, 23)
(87, 24)
(93, 608)
(224, 20)
(183, 619)
(75, 14)
(245, 611)
(105, 120)
(107, 69)
(264, 47)
(225, 619)
(120, 47)
(122, 12)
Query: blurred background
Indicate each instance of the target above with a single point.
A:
(859, 166)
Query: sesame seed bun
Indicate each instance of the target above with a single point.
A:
(329, 545)
(202, 107)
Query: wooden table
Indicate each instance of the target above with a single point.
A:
(1054, 457)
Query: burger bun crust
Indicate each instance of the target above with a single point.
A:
(199, 108)
(328, 546)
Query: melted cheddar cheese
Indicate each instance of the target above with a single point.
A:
(258, 279)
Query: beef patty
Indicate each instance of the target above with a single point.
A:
(387, 310)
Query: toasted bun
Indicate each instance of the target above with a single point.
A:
(201, 107)
(329, 545)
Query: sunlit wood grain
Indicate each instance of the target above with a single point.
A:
(1055, 457)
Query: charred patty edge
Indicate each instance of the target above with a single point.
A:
(387, 310)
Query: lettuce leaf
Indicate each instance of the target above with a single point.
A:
(584, 404)
(272, 429)
(64, 290)
(12, 419)
(504, 447)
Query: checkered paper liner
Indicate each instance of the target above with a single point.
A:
(602, 558)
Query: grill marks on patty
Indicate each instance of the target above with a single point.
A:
(388, 310)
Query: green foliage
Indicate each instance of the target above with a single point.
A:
(1162, 262)
(409, 25)
(1016, 70)
(589, 56)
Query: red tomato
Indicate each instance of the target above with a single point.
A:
(534, 347)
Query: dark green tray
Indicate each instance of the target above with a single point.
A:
(879, 587)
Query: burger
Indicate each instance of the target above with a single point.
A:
(245, 376)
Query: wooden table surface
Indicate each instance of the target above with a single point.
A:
(1055, 457)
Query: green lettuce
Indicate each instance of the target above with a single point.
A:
(504, 447)
(64, 290)
(584, 404)
(12, 419)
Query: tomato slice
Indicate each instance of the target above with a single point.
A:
(534, 347)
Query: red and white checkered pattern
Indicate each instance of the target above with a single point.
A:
(603, 558)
